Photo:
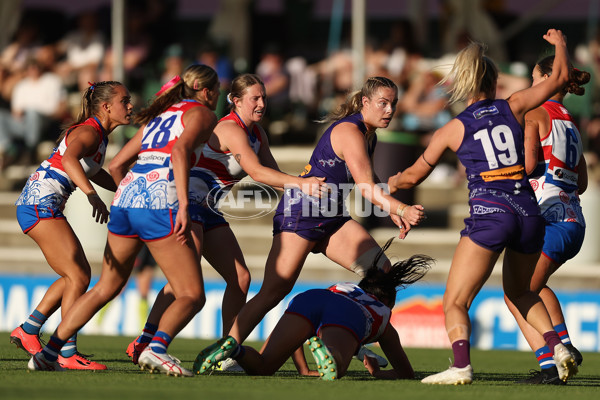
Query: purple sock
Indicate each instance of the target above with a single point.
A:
(461, 348)
(552, 339)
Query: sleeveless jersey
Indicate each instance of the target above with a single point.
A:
(554, 179)
(376, 313)
(215, 172)
(150, 183)
(50, 186)
(493, 154)
(325, 163)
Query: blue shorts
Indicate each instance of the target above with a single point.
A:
(563, 241)
(146, 224)
(309, 228)
(29, 215)
(496, 231)
(207, 217)
(322, 307)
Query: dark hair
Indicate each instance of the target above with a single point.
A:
(384, 285)
(195, 78)
(576, 76)
(93, 97)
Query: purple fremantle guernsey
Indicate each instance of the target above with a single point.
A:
(325, 163)
(492, 152)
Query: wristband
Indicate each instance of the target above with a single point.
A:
(400, 210)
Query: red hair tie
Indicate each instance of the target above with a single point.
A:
(172, 82)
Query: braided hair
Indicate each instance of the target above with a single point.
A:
(384, 285)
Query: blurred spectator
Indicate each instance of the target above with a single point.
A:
(215, 56)
(136, 50)
(271, 69)
(83, 50)
(424, 105)
(12, 59)
(403, 53)
(170, 65)
(38, 103)
(334, 79)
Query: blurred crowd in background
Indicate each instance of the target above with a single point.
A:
(51, 57)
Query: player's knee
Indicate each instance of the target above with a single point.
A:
(197, 301)
(244, 281)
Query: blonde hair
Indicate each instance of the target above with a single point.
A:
(472, 73)
(353, 103)
(195, 78)
(239, 86)
(93, 97)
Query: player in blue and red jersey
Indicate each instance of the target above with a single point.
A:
(488, 139)
(151, 206)
(238, 147)
(75, 163)
(557, 172)
(336, 321)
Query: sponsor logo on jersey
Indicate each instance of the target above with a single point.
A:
(485, 111)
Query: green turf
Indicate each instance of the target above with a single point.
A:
(495, 372)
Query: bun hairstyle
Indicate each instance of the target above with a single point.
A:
(384, 285)
(195, 78)
(577, 78)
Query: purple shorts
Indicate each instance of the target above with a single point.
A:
(309, 228)
(322, 307)
(496, 231)
(146, 224)
(563, 241)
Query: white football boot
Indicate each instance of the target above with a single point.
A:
(565, 362)
(163, 363)
(451, 376)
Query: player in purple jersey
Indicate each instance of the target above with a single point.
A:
(151, 206)
(76, 162)
(488, 140)
(305, 224)
(557, 171)
(336, 321)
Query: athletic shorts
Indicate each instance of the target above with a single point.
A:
(29, 215)
(207, 217)
(309, 228)
(322, 307)
(496, 231)
(145, 224)
(562, 241)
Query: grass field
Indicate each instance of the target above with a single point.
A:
(495, 372)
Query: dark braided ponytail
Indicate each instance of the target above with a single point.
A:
(384, 285)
